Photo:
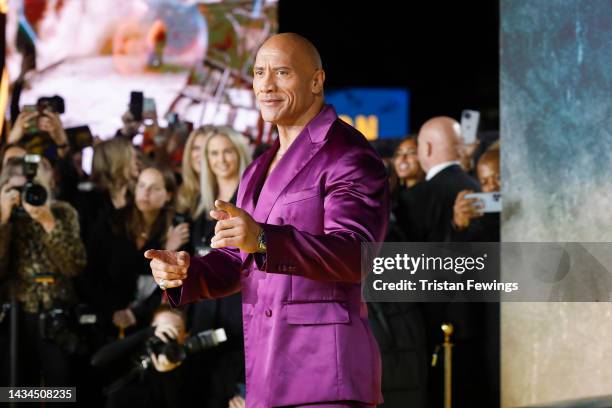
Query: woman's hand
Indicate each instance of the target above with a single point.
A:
(18, 130)
(9, 199)
(51, 122)
(177, 236)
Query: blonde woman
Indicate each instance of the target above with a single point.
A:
(115, 169)
(215, 158)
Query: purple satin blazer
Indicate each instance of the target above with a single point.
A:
(306, 332)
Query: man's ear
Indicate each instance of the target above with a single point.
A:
(317, 82)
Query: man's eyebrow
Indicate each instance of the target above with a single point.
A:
(283, 68)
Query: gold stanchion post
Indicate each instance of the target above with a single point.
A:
(447, 329)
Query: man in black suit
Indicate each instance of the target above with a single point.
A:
(428, 217)
(429, 205)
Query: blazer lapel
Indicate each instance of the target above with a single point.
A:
(302, 150)
(297, 156)
(252, 180)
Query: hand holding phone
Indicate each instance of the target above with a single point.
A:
(487, 202)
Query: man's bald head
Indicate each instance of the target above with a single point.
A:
(439, 141)
(296, 46)
(288, 80)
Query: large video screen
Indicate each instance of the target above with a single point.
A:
(193, 58)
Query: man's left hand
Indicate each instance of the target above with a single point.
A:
(235, 227)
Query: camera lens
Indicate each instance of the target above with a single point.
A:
(34, 194)
(467, 115)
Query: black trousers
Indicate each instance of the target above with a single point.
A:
(40, 361)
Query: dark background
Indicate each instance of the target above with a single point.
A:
(445, 53)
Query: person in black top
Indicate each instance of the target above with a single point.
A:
(466, 210)
(213, 162)
(398, 327)
(404, 173)
(163, 383)
(429, 218)
(122, 291)
(115, 169)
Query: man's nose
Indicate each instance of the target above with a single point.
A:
(267, 83)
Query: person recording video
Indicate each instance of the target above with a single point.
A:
(40, 126)
(154, 363)
(465, 210)
(39, 129)
(40, 252)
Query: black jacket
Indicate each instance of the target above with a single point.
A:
(427, 208)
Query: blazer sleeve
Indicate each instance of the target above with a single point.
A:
(215, 275)
(356, 210)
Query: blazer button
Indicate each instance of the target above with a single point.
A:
(268, 313)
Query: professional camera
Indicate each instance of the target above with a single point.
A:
(176, 352)
(31, 192)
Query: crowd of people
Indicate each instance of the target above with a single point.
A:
(72, 264)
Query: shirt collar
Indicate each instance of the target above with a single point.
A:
(438, 168)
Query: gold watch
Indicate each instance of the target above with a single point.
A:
(261, 242)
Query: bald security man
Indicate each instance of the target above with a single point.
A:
(292, 244)
(429, 208)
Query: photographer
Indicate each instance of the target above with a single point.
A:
(10, 150)
(40, 251)
(42, 118)
(152, 380)
(39, 129)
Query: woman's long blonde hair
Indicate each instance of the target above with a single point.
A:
(198, 194)
(111, 164)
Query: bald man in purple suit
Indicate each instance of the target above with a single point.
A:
(292, 245)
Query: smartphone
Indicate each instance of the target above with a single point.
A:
(489, 202)
(148, 111)
(148, 105)
(136, 104)
(180, 218)
(32, 125)
(469, 125)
